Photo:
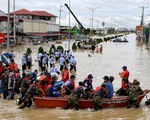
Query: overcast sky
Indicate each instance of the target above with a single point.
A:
(115, 13)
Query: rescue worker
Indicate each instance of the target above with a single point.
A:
(124, 90)
(13, 66)
(65, 74)
(31, 92)
(125, 74)
(11, 85)
(24, 87)
(4, 82)
(109, 87)
(100, 92)
(78, 91)
(134, 91)
(69, 86)
(88, 81)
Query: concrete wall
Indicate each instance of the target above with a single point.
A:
(39, 26)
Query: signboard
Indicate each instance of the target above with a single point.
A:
(138, 30)
(5, 58)
(2, 37)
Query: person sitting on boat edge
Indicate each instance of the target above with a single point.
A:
(124, 90)
(100, 92)
(78, 92)
(88, 81)
(51, 90)
(109, 87)
(69, 86)
(134, 91)
(31, 92)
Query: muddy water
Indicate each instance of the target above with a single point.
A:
(115, 55)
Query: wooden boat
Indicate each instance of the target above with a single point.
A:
(53, 102)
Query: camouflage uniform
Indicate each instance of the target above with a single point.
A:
(134, 91)
(33, 90)
(74, 97)
(24, 87)
(5, 84)
(97, 98)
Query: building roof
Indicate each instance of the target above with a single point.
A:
(43, 13)
(2, 13)
(36, 13)
(22, 12)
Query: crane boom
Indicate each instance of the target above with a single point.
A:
(74, 16)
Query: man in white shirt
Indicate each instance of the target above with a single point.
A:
(73, 63)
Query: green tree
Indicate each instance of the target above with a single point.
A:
(52, 47)
(74, 46)
(60, 48)
(40, 50)
(29, 51)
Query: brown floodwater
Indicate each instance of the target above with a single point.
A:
(115, 55)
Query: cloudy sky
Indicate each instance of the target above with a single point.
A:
(115, 13)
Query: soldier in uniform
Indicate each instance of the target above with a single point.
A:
(5, 83)
(134, 91)
(78, 91)
(101, 93)
(33, 90)
(24, 87)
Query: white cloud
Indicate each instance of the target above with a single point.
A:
(125, 12)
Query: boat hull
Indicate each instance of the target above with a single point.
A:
(53, 102)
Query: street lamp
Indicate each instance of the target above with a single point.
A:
(69, 27)
(92, 9)
(60, 18)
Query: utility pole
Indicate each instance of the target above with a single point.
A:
(8, 24)
(142, 22)
(14, 21)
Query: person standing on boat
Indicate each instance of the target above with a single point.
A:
(109, 87)
(134, 91)
(78, 91)
(33, 90)
(125, 74)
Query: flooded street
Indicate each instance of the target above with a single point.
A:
(115, 55)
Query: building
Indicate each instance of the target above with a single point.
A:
(35, 22)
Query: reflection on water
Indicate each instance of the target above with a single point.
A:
(115, 55)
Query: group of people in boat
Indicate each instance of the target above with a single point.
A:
(28, 85)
